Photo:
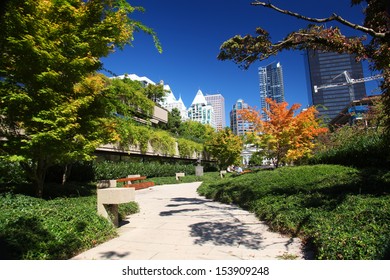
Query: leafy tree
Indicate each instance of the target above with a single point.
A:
(256, 159)
(285, 137)
(53, 107)
(155, 92)
(196, 131)
(225, 147)
(132, 96)
(373, 45)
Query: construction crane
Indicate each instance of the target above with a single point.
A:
(348, 82)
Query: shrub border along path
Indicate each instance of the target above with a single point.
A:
(342, 211)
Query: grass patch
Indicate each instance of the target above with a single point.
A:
(342, 211)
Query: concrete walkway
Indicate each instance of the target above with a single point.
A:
(175, 223)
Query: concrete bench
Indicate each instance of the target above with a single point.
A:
(222, 173)
(178, 175)
(108, 198)
(110, 193)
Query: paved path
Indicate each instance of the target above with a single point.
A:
(175, 223)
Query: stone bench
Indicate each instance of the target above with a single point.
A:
(178, 175)
(110, 195)
(222, 173)
(108, 198)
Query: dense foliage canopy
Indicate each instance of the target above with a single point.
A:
(54, 108)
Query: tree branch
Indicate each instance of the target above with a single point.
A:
(333, 17)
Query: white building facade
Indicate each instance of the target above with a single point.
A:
(169, 102)
(201, 111)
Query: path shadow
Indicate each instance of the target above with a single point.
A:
(227, 233)
(112, 254)
(173, 212)
(186, 200)
(232, 233)
(183, 201)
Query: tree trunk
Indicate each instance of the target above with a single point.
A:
(66, 174)
(37, 174)
(40, 175)
(39, 188)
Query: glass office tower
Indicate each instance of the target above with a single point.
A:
(326, 68)
(271, 85)
(237, 124)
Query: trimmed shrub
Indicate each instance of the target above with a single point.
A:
(106, 170)
(341, 210)
(38, 229)
(33, 228)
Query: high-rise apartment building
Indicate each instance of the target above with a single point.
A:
(170, 102)
(271, 85)
(325, 68)
(218, 103)
(237, 124)
(201, 111)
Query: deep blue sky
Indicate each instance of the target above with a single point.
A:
(191, 33)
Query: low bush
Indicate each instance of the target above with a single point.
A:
(352, 146)
(59, 228)
(341, 211)
(11, 172)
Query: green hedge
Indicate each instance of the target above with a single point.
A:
(343, 212)
(11, 173)
(106, 170)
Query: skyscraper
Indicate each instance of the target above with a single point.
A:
(218, 103)
(237, 124)
(201, 111)
(324, 68)
(271, 85)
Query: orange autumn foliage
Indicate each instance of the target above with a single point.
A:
(285, 136)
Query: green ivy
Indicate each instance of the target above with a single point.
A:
(188, 148)
(161, 141)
